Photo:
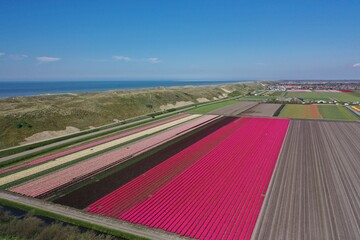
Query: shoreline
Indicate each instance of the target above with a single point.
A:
(23, 117)
(103, 89)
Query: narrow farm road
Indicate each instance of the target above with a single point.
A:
(109, 223)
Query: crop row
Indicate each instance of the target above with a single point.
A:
(89, 145)
(103, 184)
(94, 165)
(90, 151)
(356, 108)
(300, 111)
(299, 90)
(141, 187)
(327, 96)
(325, 111)
(219, 196)
(327, 91)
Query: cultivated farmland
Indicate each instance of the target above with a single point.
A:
(336, 112)
(212, 107)
(262, 110)
(212, 177)
(85, 169)
(300, 111)
(92, 144)
(217, 197)
(234, 110)
(101, 186)
(356, 108)
(89, 151)
(327, 96)
(315, 189)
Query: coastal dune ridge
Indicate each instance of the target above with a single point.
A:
(24, 118)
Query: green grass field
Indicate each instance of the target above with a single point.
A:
(340, 96)
(300, 111)
(278, 94)
(211, 107)
(336, 112)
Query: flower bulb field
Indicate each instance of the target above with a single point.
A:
(234, 173)
(206, 200)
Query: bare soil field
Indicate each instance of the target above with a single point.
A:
(234, 110)
(262, 110)
(315, 190)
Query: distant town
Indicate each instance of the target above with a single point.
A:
(285, 85)
(322, 92)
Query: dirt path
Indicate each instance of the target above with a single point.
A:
(110, 223)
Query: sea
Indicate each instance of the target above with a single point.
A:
(31, 88)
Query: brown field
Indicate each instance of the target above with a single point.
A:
(235, 109)
(315, 189)
(262, 110)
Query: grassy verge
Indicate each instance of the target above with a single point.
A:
(56, 168)
(11, 151)
(150, 117)
(50, 149)
(41, 212)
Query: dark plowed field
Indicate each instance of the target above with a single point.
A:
(262, 110)
(315, 189)
(84, 196)
(234, 110)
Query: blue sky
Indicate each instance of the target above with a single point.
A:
(184, 39)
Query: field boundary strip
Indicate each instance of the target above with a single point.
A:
(71, 157)
(18, 153)
(73, 216)
(88, 145)
(65, 176)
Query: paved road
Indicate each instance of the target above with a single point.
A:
(315, 190)
(123, 226)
